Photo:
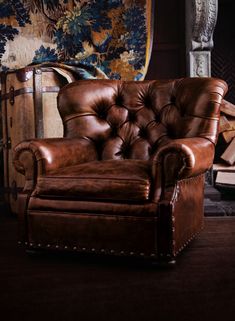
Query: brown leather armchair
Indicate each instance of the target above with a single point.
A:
(128, 176)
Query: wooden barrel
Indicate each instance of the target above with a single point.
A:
(29, 110)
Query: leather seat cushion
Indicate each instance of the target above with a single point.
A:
(114, 180)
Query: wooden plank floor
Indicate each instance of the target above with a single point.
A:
(201, 286)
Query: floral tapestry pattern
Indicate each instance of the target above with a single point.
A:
(112, 35)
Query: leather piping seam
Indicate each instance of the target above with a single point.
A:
(98, 179)
(122, 217)
(217, 93)
(202, 117)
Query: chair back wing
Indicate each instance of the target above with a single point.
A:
(129, 120)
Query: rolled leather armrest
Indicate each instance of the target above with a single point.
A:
(41, 156)
(183, 158)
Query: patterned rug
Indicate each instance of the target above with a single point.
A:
(114, 36)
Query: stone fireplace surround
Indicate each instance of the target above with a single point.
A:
(201, 17)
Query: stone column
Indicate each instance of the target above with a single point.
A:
(201, 16)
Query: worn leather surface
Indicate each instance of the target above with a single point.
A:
(132, 159)
(99, 207)
(180, 215)
(122, 235)
(119, 180)
(53, 153)
(189, 201)
(106, 119)
(129, 119)
(182, 158)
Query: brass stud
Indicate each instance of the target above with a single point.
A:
(111, 251)
(65, 247)
(152, 254)
(57, 246)
(75, 248)
(122, 252)
(131, 253)
(48, 245)
(84, 249)
(92, 250)
(30, 244)
(141, 254)
(26, 243)
(102, 250)
(39, 245)
(19, 242)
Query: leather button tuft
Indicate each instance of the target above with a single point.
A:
(102, 114)
(114, 131)
(173, 99)
(147, 101)
(124, 151)
(101, 109)
(119, 100)
(132, 116)
(157, 118)
(143, 133)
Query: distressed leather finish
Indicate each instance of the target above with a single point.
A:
(125, 180)
(99, 207)
(128, 176)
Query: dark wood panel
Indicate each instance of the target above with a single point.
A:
(167, 64)
(170, 20)
(168, 55)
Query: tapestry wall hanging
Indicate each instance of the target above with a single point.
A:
(112, 35)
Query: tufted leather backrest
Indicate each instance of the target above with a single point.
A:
(131, 119)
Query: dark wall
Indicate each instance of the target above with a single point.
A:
(168, 55)
(223, 54)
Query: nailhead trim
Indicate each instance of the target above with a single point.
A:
(131, 253)
(187, 242)
(76, 248)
